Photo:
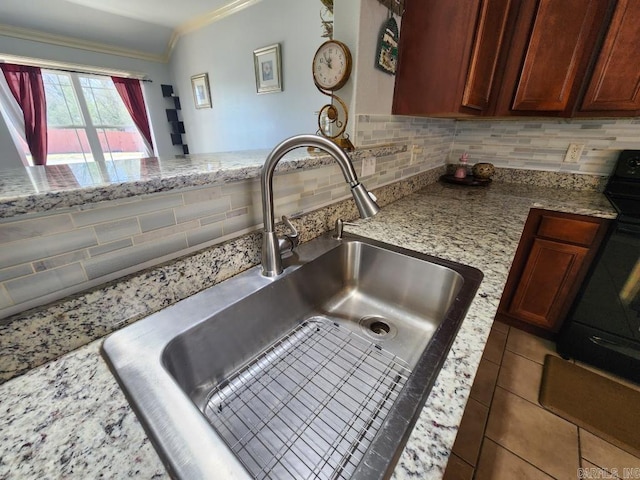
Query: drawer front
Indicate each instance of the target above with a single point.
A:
(568, 230)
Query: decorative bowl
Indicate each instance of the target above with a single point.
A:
(483, 170)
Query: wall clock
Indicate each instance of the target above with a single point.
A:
(331, 69)
(331, 65)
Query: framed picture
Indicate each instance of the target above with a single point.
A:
(201, 93)
(268, 70)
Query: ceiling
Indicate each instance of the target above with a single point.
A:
(148, 26)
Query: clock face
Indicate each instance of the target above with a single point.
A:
(331, 65)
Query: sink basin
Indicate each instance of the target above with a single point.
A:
(320, 372)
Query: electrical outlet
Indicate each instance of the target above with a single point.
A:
(416, 151)
(573, 152)
(368, 166)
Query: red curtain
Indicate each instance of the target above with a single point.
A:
(28, 89)
(131, 94)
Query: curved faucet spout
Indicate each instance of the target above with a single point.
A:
(367, 207)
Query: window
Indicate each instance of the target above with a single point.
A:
(87, 121)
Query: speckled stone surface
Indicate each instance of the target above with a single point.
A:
(34, 337)
(73, 411)
(42, 188)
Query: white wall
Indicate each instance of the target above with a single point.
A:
(369, 91)
(157, 72)
(374, 88)
(240, 118)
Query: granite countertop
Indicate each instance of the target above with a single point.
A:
(41, 188)
(69, 419)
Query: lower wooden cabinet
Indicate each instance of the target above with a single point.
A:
(551, 262)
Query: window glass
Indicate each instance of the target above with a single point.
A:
(104, 103)
(62, 105)
(87, 120)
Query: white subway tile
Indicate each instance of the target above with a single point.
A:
(117, 211)
(39, 284)
(155, 220)
(42, 247)
(125, 258)
(37, 227)
(110, 231)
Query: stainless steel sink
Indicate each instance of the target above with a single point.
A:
(320, 372)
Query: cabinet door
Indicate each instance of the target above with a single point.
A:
(615, 82)
(434, 51)
(490, 33)
(556, 41)
(549, 274)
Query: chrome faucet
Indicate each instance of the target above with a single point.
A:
(272, 246)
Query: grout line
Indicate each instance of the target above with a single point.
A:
(484, 437)
(490, 361)
(524, 459)
(579, 448)
(461, 459)
(527, 358)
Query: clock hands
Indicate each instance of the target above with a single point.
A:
(327, 60)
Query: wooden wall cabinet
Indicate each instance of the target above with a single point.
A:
(614, 85)
(549, 55)
(517, 58)
(551, 262)
(448, 56)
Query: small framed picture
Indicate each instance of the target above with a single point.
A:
(268, 69)
(201, 93)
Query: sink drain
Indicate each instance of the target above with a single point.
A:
(378, 327)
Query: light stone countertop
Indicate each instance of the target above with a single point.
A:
(42, 188)
(69, 419)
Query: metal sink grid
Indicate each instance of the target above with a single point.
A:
(309, 406)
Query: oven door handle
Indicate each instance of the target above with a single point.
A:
(628, 228)
(616, 347)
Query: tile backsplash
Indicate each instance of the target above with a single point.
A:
(541, 144)
(47, 256)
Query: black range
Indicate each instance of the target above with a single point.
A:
(603, 326)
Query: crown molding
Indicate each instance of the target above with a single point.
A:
(74, 67)
(71, 42)
(192, 25)
(205, 19)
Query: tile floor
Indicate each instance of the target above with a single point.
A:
(506, 434)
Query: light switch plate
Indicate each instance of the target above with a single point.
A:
(368, 166)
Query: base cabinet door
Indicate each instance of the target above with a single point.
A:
(551, 262)
(549, 273)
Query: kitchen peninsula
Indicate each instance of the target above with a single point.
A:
(68, 418)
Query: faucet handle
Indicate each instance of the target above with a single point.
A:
(292, 235)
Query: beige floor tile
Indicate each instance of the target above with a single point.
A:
(457, 469)
(529, 346)
(534, 434)
(471, 431)
(485, 382)
(495, 346)
(501, 327)
(497, 463)
(605, 455)
(589, 470)
(520, 375)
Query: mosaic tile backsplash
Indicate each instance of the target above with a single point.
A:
(47, 255)
(64, 250)
(541, 144)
